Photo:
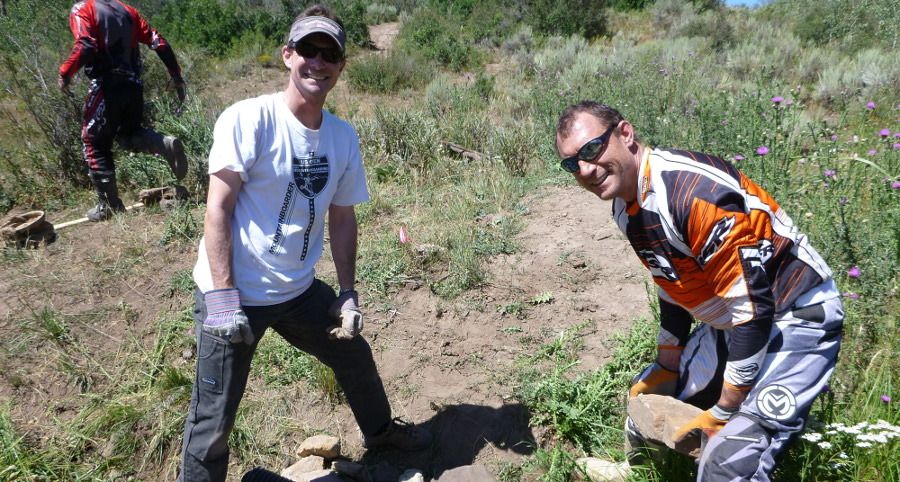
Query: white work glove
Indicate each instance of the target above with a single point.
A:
(225, 318)
(346, 310)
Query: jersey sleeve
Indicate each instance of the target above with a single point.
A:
(81, 23)
(722, 235)
(150, 37)
(675, 324)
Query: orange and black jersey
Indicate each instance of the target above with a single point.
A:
(107, 35)
(720, 249)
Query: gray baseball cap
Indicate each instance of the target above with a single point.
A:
(310, 25)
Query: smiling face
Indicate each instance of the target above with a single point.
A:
(313, 77)
(614, 172)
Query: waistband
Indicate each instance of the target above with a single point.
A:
(817, 294)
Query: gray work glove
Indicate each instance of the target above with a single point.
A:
(177, 82)
(225, 318)
(346, 310)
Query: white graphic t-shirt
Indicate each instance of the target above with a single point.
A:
(290, 174)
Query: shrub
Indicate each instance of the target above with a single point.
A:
(559, 17)
(379, 74)
(437, 36)
(377, 13)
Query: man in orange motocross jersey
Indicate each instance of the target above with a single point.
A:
(108, 34)
(724, 253)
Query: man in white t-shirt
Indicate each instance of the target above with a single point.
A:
(278, 165)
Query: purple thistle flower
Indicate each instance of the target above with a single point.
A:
(829, 172)
(854, 296)
(762, 151)
(834, 137)
(763, 114)
(884, 133)
(870, 105)
(777, 99)
(824, 184)
(871, 152)
(723, 123)
(738, 157)
(826, 388)
(886, 399)
(854, 272)
(790, 102)
(897, 134)
(895, 184)
(897, 146)
(844, 200)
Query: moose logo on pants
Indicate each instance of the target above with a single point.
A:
(776, 402)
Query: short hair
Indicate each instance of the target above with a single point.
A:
(604, 113)
(316, 10)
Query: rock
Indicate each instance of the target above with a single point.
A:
(603, 470)
(385, 472)
(315, 476)
(412, 475)
(466, 473)
(352, 470)
(304, 465)
(657, 417)
(324, 446)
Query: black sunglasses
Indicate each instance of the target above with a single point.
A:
(588, 152)
(310, 51)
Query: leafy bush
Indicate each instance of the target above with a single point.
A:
(568, 17)
(380, 74)
(377, 13)
(437, 37)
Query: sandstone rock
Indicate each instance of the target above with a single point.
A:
(466, 473)
(324, 446)
(412, 475)
(658, 417)
(603, 470)
(304, 465)
(351, 469)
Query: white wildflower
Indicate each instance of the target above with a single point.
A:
(844, 456)
(831, 432)
(825, 445)
(811, 437)
(864, 445)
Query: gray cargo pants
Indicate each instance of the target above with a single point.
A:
(223, 368)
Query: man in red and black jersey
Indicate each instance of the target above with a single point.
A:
(721, 251)
(107, 36)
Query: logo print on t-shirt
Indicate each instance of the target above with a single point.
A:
(311, 177)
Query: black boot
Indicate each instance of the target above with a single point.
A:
(149, 141)
(108, 194)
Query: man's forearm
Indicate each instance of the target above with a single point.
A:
(219, 242)
(343, 233)
(732, 398)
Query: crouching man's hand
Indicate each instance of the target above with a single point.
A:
(708, 422)
(654, 379)
(225, 317)
(346, 310)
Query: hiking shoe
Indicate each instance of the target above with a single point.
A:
(399, 435)
(174, 154)
(103, 211)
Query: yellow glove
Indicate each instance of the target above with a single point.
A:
(654, 379)
(708, 422)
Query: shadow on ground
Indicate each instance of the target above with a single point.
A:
(461, 432)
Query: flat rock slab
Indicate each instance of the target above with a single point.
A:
(466, 473)
(324, 446)
(658, 417)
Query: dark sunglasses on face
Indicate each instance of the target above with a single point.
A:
(310, 51)
(588, 152)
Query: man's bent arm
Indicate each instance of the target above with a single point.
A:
(224, 186)
(342, 231)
